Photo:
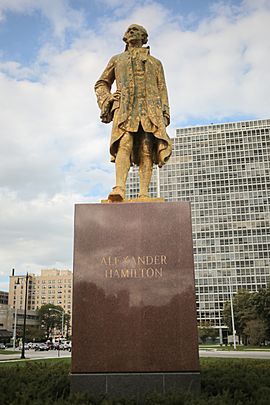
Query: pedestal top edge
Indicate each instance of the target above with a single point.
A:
(127, 202)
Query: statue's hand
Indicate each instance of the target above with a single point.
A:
(109, 106)
(115, 96)
(166, 119)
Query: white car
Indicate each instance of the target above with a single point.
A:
(42, 347)
(67, 345)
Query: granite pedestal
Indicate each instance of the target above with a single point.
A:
(134, 312)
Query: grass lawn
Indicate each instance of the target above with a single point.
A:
(6, 351)
(24, 362)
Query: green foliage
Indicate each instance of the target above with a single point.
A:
(5, 351)
(34, 333)
(261, 304)
(240, 380)
(50, 317)
(255, 330)
(207, 332)
(243, 311)
(224, 382)
(251, 315)
(36, 383)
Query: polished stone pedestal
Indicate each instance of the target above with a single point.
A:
(134, 312)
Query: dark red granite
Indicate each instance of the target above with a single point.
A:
(134, 297)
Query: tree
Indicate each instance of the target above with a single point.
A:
(206, 331)
(243, 312)
(251, 315)
(261, 304)
(50, 317)
(35, 333)
(255, 330)
(67, 324)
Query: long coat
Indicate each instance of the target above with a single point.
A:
(120, 69)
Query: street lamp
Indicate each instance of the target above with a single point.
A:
(15, 315)
(158, 181)
(232, 315)
(63, 314)
(24, 317)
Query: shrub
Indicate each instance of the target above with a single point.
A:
(224, 382)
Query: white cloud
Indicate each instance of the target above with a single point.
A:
(213, 71)
(251, 5)
(37, 233)
(54, 150)
(14, 69)
(52, 124)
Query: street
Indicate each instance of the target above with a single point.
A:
(32, 354)
(235, 354)
(52, 354)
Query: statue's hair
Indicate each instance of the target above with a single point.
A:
(142, 29)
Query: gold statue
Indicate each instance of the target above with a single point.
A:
(139, 109)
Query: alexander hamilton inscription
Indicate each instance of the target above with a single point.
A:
(126, 267)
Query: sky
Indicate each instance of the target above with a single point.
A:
(53, 147)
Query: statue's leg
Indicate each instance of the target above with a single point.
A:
(122, 166)
(146, 163)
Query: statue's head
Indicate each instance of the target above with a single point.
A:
(135, 31)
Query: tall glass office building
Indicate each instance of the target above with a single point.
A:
(224, 171)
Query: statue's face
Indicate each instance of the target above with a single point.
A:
(134, 34)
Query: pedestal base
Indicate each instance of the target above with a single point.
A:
(134, 311)
(134, 385)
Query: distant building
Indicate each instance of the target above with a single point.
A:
(5, 333)
(7, 320)
(224, 171)
(52, 286)
(3, 298)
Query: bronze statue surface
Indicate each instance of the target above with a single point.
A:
(139, 109)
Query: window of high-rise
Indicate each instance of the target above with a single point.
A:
(223, 171)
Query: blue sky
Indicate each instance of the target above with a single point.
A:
(24, 31)
(54, 149)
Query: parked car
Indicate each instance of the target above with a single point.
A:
(9, 345)
(41, 347)
(56, 346)
(50, 345)
(67, 345)
(2, 346)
